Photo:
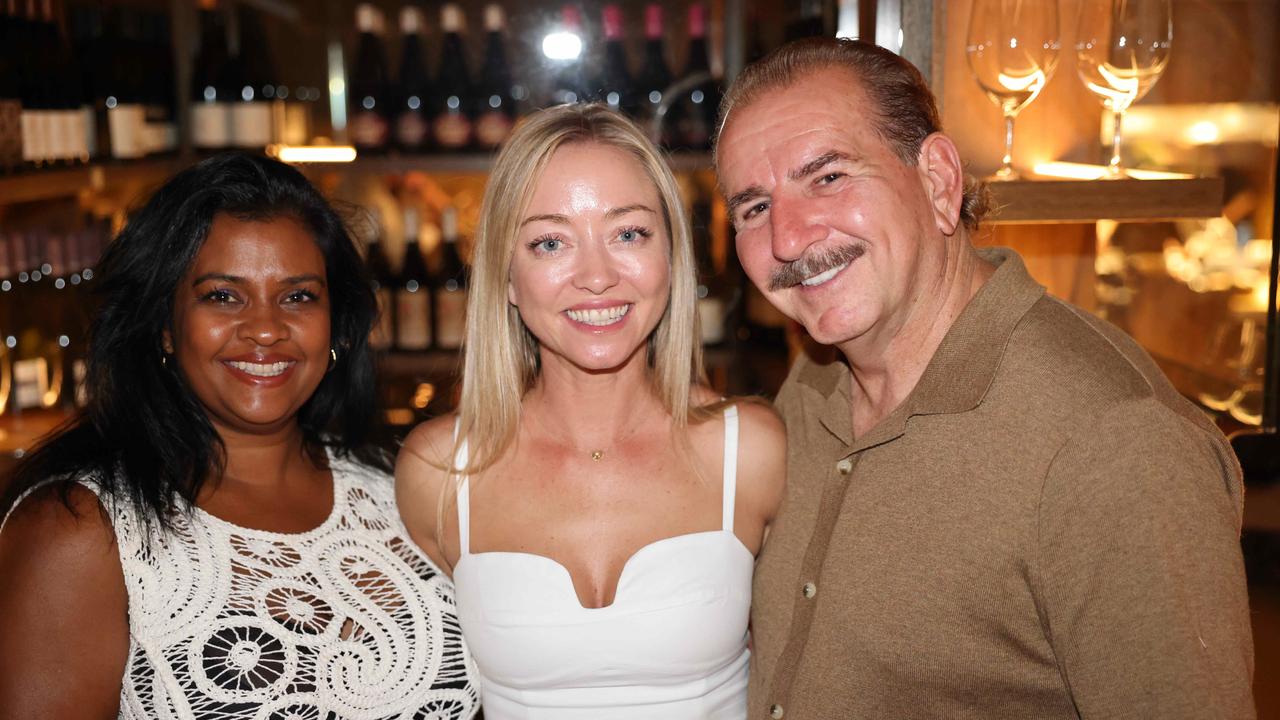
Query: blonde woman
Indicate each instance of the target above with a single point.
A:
(598, 507)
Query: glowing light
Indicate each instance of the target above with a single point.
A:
(312, 153)
(562, 46)
(1084, 171)
(1204, 133)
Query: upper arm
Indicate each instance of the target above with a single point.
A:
(1139, 572)
(64, 626)
(762, 463)
(421, 478)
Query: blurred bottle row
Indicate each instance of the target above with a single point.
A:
(451, 110)
(46, 280)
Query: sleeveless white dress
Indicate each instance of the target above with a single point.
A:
(673, 644)
(346, 621)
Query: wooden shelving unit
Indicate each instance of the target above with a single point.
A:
(1080, 201)
(57, 183)
(473, 163)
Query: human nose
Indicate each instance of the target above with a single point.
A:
(263, 323)
(595, 268)
(793, 228)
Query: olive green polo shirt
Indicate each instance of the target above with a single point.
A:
(1043, 529)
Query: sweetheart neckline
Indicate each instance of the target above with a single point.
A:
(573, 589)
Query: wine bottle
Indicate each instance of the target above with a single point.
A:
(412, 124)
(569, 83)
(451, 290)
(715, 291)
(250, 109)
(161, 122)
(655, 77)
(36, 118)
(413, 295)
(8, 321)
(126, 115)
(92, 65)
(615, 87)
(210, 99)
(693, 116)
(10, 90)
(808, 21)
(497, 112)
(369, 128)
(452, 107)
(37, 359)
(384, 285)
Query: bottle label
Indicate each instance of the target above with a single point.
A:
(250, 124)
(413, 319)
(62, 134)
(492, 128)
(33, 136)
(210, 124)
(711, 319)
(10, 132)
(30, 383)
(90, 140)
(127, 123)
(411, 129)
(451, 318)
(384, 329)
(452, 130)
(296, 125)
(368, 129)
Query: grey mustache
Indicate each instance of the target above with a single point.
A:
(792, 273)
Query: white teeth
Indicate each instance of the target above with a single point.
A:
(599, 316)
(823, 276)
(261, 369)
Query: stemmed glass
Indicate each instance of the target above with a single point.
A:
(1122, 47)
(1012, 48)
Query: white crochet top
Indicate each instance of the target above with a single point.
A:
(346, 621)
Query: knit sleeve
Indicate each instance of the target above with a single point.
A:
(1139, 576)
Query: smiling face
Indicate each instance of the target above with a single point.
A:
(250, 326)
(834, 228)
(590, 272)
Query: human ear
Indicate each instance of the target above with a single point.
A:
(943, 177)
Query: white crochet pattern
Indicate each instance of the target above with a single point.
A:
(349, 621)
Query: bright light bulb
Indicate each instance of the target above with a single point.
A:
(562, 46)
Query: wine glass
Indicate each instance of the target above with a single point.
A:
(1122, 47)
(1012, 48)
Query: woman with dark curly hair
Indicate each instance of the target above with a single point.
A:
(215, 535)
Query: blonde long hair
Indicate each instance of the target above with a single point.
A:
(500, 361)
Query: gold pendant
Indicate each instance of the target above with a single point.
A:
(596, 455)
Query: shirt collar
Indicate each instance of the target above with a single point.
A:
(962, 368)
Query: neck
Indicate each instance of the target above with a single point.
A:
(591, 409)
(888, 362)
(271, 459)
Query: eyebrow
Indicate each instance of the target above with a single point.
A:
(817, 164)
(291, 280)
(743, 197)
(609, 215)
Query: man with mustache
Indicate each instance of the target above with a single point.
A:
(997, 506)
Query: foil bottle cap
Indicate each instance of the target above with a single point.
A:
(449, 224)
(612, 21)
(366, 18)
(697, 20)
(570, 18)
(410, 20)
(653, 21)
(494, 20)
(451, 18)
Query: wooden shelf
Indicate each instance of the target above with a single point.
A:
(473, 163)
(56, 183)
(1079, 201)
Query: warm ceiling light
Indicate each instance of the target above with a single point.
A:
(312, 153)
(1083, 171)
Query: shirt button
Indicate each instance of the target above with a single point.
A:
(809, 590)
(845, 466)
(775, 711)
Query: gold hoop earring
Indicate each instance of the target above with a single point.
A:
(333, 359)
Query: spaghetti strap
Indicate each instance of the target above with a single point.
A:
(730, 464)
(464, 494)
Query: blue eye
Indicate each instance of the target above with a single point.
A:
(633, 234)
(546, 245)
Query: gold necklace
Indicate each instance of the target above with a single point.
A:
(597, 455)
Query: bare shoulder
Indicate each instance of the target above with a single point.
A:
(46, 526)
(64, 631)
(762, 457)
(421, 476)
